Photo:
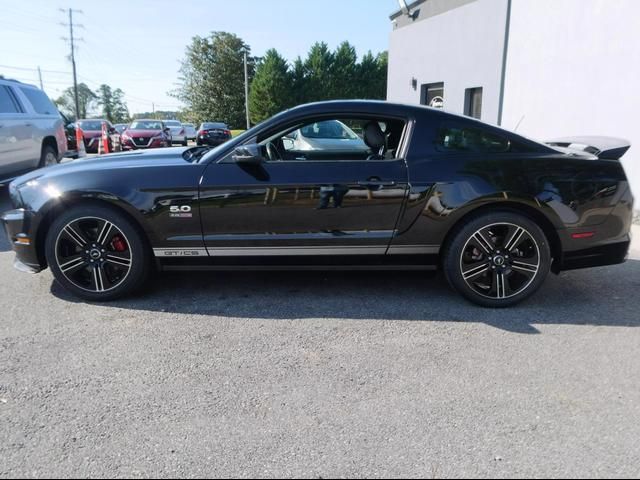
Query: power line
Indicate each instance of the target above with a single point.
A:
(34, 69)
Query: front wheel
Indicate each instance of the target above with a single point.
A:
(48, 156)
(96, 253)
(497, 259)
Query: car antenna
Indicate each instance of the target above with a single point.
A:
(519, 122)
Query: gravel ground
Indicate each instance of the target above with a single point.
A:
(320, 375)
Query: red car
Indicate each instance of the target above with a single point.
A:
(92, 131)
(145, 134)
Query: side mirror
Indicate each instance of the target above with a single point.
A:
(252, 154)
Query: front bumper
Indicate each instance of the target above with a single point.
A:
(18, 227)
(128, 144)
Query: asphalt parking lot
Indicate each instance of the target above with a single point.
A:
(320, 375)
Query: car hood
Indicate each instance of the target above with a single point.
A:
(142, 133)
(138, 158)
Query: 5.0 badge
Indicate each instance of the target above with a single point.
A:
(180, 211)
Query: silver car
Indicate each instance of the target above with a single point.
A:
(178, 133)
(325, 135)
(32, 131)
(190, 131)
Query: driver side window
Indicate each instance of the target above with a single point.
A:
(336, 139)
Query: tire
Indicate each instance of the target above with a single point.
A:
(48, 156)
(185, 143)
(97, 253)
(497, 259)
(199, 144)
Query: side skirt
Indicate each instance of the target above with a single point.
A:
(271, 263)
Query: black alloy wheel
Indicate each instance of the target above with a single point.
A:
(497, 260)
(96, 253)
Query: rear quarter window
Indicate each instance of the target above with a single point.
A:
(452, 138)
(8, 103)
(40, 101)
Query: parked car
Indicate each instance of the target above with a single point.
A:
(178, 133)
(213, 133)
(120, 127)
(325, 135)
(190, 131)
(92, 134)
(145, 133)
(32, 132)
(494, 210)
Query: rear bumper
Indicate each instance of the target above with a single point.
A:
(607, 243)
(610, 254)
(212, 141)
(18, 227)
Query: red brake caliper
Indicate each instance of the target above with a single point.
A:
(118, 244)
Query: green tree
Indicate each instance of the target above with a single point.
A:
(343, 72)
(86, 101)
(272, 87)
(298, 81)
(372, 77)
(211, 82)
(112, 103)
(318, 73)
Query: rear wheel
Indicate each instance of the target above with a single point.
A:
(48, 156)
(185, 143)
(96, 253)
(497, 259)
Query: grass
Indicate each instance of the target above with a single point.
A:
(235, 133)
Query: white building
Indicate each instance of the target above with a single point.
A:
(548, 68)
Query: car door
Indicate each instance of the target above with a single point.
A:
(332, 202)
(14, 134)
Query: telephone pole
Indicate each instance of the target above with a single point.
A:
(40, 77)
(246, 89)
(72, 40)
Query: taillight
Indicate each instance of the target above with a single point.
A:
(203, 132)
(227, 132)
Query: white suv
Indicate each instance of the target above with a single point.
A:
(31, 129)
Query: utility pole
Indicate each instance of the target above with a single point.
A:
(40, 77)
(246, 89)
(153, 109)
(73, 58)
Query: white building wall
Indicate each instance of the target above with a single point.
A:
(461, 47)
(573, 68)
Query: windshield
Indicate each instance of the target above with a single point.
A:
(91, 125)
(171, 123)
(330, 129)
(146, 125)
(213, 125)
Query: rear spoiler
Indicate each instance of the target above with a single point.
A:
(609, 148)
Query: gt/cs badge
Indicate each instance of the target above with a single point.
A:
(180, 211)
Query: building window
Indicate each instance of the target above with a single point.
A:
(432, 95)
(473, 102)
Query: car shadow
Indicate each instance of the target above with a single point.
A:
(606, 296)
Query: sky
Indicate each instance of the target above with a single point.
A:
(137, 45)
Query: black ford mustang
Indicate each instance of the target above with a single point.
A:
(344, 185)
